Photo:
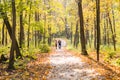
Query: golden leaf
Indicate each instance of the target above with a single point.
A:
(44, 78)
(26, 73)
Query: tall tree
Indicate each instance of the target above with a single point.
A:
(82, 34)
(3, 34)
(11, 59)
(45, 22)
(114, 29)
(50, 35)
(6, 39)
(108, 32)
(98, 26)
(76, 37)
(71, 33)
(95, 32)
(113, 34)
(105, 31)
(21, 41)
(28, 37)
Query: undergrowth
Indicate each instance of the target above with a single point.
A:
(107, 52)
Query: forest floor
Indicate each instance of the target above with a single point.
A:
(36, 69)
(60, 64)
(105, 70)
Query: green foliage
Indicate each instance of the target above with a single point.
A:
(30, 53)
(4, 49)
(111, 54)
(38, 26)
(118, 61)
(20, 63)
(44, 48)
(106, 48)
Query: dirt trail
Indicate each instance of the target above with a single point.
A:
(65, 66)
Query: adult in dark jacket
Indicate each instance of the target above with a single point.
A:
(59, 44)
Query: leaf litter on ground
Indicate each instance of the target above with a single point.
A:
(111, 72)
(33, 70)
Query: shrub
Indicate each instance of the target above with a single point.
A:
(44, 48)
(4, 50)
(111, 54)
(118, 61)
(106, 59)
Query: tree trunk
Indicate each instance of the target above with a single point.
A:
(105, 32)
(76, 37)
(6, 39)
(114, 29)
(36, 31)
(82, 34)
(3, 34)
(88, 37)
(44, 36)
(35, 37)
(44, 29)
(71, 33)
(92, 35)
(107, 26)
(28, 44)
(49, 38)
(66, 28)
(18, 54)
(113, 35)
(98, 26)
(11, 59)
(40, 37)
(95, 32)
(21, 41)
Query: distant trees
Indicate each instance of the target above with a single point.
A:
(112, 30)
(97, 22)
(29, 21)
(76, 36)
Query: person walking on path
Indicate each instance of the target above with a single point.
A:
(59, 44)
(56, 44)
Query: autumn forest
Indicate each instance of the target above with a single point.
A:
(59, 40)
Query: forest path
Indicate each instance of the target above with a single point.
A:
(66, 66)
